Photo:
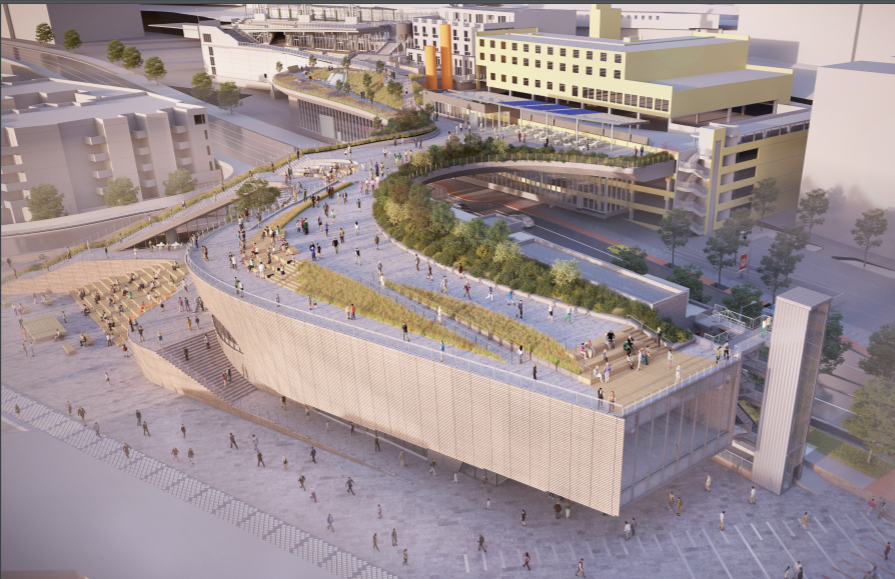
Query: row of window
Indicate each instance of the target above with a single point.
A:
(619, 98)
(588, 54)
(562, 67)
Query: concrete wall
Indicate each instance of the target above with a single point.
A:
(539, 441)
(245, 66)
(24, 19)
(72, 277)
(849, 151)
(92, 21)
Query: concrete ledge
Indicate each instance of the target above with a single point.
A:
(840, 482)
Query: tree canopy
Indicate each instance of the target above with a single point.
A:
(45, 202)
(882, 353)
(742, 296)
(121, 191)
(674, 229)
(565, 272)
(781, 260)
(874, 419)
(71, 40)
(764, 195)
(834, 348)
(131, 59)
(179, 181)
(202, 85)
(114, 51)
(812, 208)
(254, 194)
(690, 276)
(632, 258)
(871, 224)
(154, 69)
(228, 96)
(44, 34)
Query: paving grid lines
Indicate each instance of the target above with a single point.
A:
(254, 521)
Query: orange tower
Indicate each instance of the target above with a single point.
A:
(447, 61)
(431, 67)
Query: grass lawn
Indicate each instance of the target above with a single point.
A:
(848, 453)
(753, 411)
(287, 80)
(356, 80)
(418, 82)
(505, 327)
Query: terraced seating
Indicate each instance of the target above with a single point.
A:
(206, 364)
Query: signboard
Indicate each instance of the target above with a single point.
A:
(744, 259)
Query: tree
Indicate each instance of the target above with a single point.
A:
(834, 349)
(346, 63)
(279, 66)
(812, 207)
(71, 40)
(507, 251)
(45, 202)
(441, 218)
(179, 181)
(632, 258)
(367, 81)
(154, 69)
(781, 260)
(114, 51)
(346, 87)
(674, 230)
(121, 191)
(742, 296)
(565, 272)
(874, 419)
(312, 61)
(255, 193)
(131, 59)
(380, 69)
(339, 85)
(872, 223)
(764, 195)
(228, 96)
(44, 34)
(882, 353)
(725, 242)
(202, 86)
(394, 89)
(690, 277)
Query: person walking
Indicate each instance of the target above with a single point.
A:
(670, 357)
(677, 374)
(482, 543)
(752, 496)
(804, 521)
(146, 429)
(526, 560)
(106, 377)
(18, 411)
(727, 350)
(444, 284)
(96, 429)
(394, 538)
(721, 524)
(375, 545)
(83, 414)
(376, 447)
(627, 531)
(659, 337)
(350, 485)
(510, 297)
(708, 483)
(432, 466)
(261, 460)
(633, 527)
(401, 458)
(680, 504)
(313, 455)
(534, 371)
(557, 510)
(68, 407)
(255, 442)
(175, 453)
(404, 330)
(488, 504)
(568, 314)
(127, 450)
(285, 462)
(568, 509)
(352, 432)
(523, 518)
(233, 442)
(405, 557)
(887, 550)
(670, 500)
(550, 312)
(718, 355)
(183, 430)
(329, 522)
(580, 568)
(379, 510)
(870, 506)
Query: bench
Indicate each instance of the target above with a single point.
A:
(88, 341)
(6, 303)
(47, 301)
(69, 349)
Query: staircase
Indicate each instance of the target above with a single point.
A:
(617, 356)
(206, 365)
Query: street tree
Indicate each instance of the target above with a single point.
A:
(228, 96)
(121, 191)
(871, 224)
(367, 81)
(812, 208)
(565, 272)
(131, 59)
(44, 34)
(881, 361)
(721, 248)
(179, 181)
(834, 348)
(254, 194)
(114, 51)
(394, 89)
(312, 61)
(874, 417)
(346, 63)
(633, 259)
(154, 69)
(279, 66)
(690, 276)
(339, 85)
(743, 296)
(674, 230)
(45, 202)
(764, 195)
(380, 69)
(71, 40)
(203, 87)
(781, 260)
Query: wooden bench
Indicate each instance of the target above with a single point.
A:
(69, 349)
(6, 303)
(86, 339)
(47, 301)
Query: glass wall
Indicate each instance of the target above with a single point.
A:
(599, 194)
(676, 433)
(329, 122)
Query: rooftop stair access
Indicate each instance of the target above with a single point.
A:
(616, 356)
(206, 364)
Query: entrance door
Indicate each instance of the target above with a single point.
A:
(327, 126)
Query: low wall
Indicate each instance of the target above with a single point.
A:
(840, 482)
(77, 275)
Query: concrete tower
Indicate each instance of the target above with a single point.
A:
(605, 21)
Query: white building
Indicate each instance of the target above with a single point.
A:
(77, 135)
(465, 21)
(651, 21)
(93, 22)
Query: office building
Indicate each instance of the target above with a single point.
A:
(77, 136)
(91, 21)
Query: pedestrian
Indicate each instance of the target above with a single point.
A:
(175, 453)
(519, 307)
(680, 503)
(670, 500)
(376, 444)
(887, 550)
(404, 330)
(394, 538)
(379, 510)
(18, 411)
(327, 425)
(727, 350)
(352, 429)
(329, 523)
(870, 507)
(191, 455)
(488, 504)
(375, 545)
(307, 414)
(106, 376)
(82, 413)
(525, 561)
(255, 442)
(568, 509)
(313, 455)
(183, 430)
(283, 402)
(580, 568)
(233, 442)
(401, 458)
(670, 357)
(786, 572)
(718, 355)
(627, 530)
(557, 509)
(313, 495)
(95, 429)
(482, 543)
(432, 466)
(146, 429)
(569, 314)
(520, 352)
(523, 518)
(721, 524)
(659, 337)
(405, 557)
(301, 481)
(752, 496)
(261, 460)
(804, 521)
(68, 407)
(677, 374)
(633, 527)
(708, 483)
(534, 371)
(127, 451)
(350, 485)
(285, 462)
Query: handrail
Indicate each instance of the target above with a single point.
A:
(548, 157)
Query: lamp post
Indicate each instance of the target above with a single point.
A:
(752, 303)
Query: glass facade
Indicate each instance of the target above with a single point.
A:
(329, 122)
(674, 434)
(599, 194)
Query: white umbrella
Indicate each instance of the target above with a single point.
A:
(176, 244)
(160, 245)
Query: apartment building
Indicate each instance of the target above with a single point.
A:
(467, 21)
(77, 136)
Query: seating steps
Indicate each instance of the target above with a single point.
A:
(616, 356)
(206, 365)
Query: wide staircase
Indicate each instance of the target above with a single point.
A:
(617, 356)
(206, 365)
(124, 308)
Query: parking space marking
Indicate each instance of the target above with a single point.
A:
(538, 559)
(681, 553)
(503, 562)
(785, 526)
(791, 558)
(692, 541)
(877, 531)
(757, 534)
(590, 549)
(606, 546)
(555, 556)
(754, 556)
(726, 540)
(485, 560)
(822, 550)
(854, 524)
(622, 543)
(819, 524)
(639, 542)
(466, 561)
(717, 554)
(658, 544)
(846, 535)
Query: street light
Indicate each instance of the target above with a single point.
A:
(746, 306)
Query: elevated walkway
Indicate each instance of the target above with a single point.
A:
(206, 364)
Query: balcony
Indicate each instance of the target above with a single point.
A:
(142, 151)
(7, 169)
(101, 191)
(13, 187)
(144, 166)
(96, 158)
(102, 174)
(692, 185)
(181, 145)
(182, 161)
(139, 134)
(147, 183)
(179, 128)
(98, 140)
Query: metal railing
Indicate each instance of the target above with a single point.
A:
(298, 52)
(548, 157)
(540, 387)
(735, 460)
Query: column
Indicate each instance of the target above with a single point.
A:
(729, 109)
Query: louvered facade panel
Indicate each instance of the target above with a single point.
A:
(539, 441)
(520, 435)
(410, 393)
(480, 395)
(363, 384)
(463, 417)
(606, 462)
(582, 453)
(560, 447)
(391, 362)
(446, 443)
(501, 428)
(428, 405)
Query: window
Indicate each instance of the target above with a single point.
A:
(455, 47)
(575, 54)
(503, 59)
(537, 49)
(601, 95)
(479, 19)
(206, 38)
(589, 55)
(562, 51)
(199, 119)
(492, 76)
(574, 91)
(646, 102)
(482, 56)
(618, 59)
(575, 68)
(550, 51)
(589, 70)
(549, 85)
(211, 59)
(631, 100)
(537, 64)
(210, 166)
(615, 97)
(602, 72)
(616, 74)
(481, 42)
(501, 18)
(515, 60)
(602, 57)
(587, 93)
(515, 80)
(210, 51)
(549, 66)
(744, 174)
(562, 88)
(424, 44)
(537, 83)
(206, 134)
(651, 17)
(492, 44)
(493, 58)
(466, 49)
(503, 78)
(657, 17)
(515, 46)
(456, 16)
(214, 71)
(524, 82)
(562, 66)
(503, 45)
(524, 48)
(524, 62)
(748, 155)
(208, 150)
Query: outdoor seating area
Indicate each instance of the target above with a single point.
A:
(44, 328)
(68, 348)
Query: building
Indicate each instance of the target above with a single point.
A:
(468, 20)
(856, 177)
(649, 21)
(77, 136)
(19, 21)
